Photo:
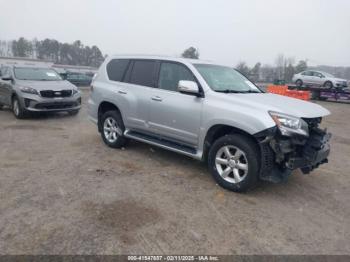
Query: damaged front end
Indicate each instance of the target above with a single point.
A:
(293, 143)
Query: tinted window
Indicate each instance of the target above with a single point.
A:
(171, 73)
(143, 73)
(116, 69)
(307, 73)
(317, 74)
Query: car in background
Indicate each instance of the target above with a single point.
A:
(36, 89)
(79, 79)
(318, 78)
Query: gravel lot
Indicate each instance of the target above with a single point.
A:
(63, 191)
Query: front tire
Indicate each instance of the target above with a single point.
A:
(17, 109)
(328, 85)
(234, 162)
(113, 129)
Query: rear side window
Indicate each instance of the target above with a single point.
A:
(116, 69)
(307, 73)
(171, 73)
(143, 73)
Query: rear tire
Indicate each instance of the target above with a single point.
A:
(18, 111)
(299, 83)
(234, 162)
(113, 128)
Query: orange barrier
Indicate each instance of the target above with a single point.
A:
(276, 89)
(304, 95)
(284, 91)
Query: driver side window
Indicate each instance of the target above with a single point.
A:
(171, 73)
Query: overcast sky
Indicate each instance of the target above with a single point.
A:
(224, 31)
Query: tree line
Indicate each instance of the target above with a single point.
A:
(75, 53)
(283, 69)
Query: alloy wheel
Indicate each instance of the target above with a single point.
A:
(231, 164)
(111, 130)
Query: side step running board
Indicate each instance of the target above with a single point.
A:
(182, 149)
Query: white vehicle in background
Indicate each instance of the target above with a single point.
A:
(318, 78)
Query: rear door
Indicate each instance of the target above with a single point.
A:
(139, 83)
(173, 115)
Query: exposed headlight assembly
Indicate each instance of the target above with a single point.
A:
(289, 125)
(28, 90)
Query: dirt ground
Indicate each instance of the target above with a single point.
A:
(62, 191)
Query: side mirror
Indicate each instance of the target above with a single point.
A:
(7, 78)
(188, 87)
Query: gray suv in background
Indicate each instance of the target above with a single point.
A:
(34, 89)
(211, 113)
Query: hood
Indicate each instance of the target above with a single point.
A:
(47, 85)
(339, 79)
(278, 103)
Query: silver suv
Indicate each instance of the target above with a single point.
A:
(318, 78)
(211, 113)
(35, 89)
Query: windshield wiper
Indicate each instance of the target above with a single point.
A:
(227, 91)
(251, 91)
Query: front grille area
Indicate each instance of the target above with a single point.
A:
(52, 93)
(56, 105)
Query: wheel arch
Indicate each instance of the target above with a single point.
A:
(218, 130)
(328, 81)
(104, 107)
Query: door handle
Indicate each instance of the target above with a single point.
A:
(157, 98)
(122, 92)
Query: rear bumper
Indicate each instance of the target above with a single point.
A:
(35, 103)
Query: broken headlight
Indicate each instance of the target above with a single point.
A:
(289, 125)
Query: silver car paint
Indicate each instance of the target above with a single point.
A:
(8, 88)
(315, 80)
(187, 118)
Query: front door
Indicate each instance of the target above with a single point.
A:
(174, 115)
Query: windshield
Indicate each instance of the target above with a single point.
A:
(225, 79)
(37, 74)
(327, 74)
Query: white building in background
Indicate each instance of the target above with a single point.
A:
(24, 61)
(61, 69)
(75, 69)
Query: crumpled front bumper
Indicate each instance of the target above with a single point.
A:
(314, 153)
(281, 155)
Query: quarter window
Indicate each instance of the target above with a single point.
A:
(143, 73)
(116, 69)
(171, 73)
